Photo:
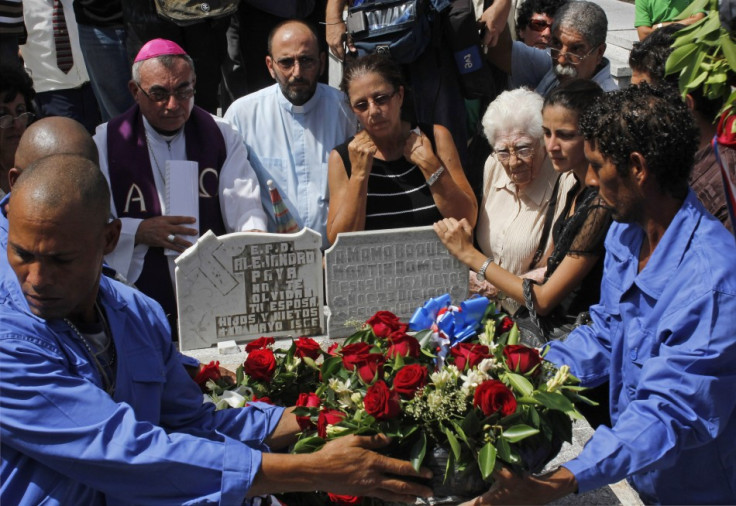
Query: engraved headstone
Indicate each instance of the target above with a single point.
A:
(246, 285)
(394, 270)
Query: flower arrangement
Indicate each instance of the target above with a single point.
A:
(460, 385)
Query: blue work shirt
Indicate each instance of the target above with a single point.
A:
(665, 338)
(64, 440)
(291, 145)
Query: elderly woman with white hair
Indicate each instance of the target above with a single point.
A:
(522, 194)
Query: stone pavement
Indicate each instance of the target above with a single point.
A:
(621, 35)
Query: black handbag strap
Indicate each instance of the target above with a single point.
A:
(548, 218)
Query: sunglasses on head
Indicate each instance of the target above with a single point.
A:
(539, 25)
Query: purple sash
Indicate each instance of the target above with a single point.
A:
(129, 164)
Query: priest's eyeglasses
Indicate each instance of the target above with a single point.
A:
(24, 119)
(163, 95)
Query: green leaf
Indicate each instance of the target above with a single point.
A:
(425, 338)
(418, 451)
(330, 367)
(554, 401)
(239, 375)
(487, 460)
(309, 444)
(461, 434)
(693, 8)
(471, 423)
(310, 362)
(518, 432)
(513, 335)
(520, 383)
(680, 58)
(452, 440)
(729, 50)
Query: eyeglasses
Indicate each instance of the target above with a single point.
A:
(378, 101)
(539, 25)
(163, 95)
(305, 62)
(7, 120)
(573, 58)
(521, 153)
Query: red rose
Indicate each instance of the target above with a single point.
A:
(409, 379)
(210, 371)
(309, 400)
(727, 129)
(381, 403)
(522, 359)
(469, 354)
(384, 322)
(506, 324)
(344, 500)
(260, 364)
(402, 344)
(328, 417)
(353, 353)
(267, 400)
(260, 343)
(332, 348)
(307, 347)
(369, 365)
(492, 396)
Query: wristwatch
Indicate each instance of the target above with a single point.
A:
(481, 274)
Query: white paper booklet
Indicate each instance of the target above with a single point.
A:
(182, 193)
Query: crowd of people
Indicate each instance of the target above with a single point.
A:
(599, 220)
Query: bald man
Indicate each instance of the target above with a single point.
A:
(95, 407)
(47, 136)
(304, 120)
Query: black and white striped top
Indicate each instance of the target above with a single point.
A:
(398, 195)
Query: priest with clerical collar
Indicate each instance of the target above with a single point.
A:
(164, 127)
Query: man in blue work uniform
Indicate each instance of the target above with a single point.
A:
(96, 408)
(663, 333)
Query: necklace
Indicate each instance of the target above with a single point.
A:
(108, 381)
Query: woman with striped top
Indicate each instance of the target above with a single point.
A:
(391, 175)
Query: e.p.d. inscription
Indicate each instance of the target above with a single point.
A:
(395, 270)
(246, 285)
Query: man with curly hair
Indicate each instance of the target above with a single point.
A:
(662, 333)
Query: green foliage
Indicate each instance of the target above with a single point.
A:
(704, 55)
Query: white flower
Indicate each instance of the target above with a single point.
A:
(434, 401)
(446, 376)
(357, 398)
(206, 398)
(472, 379)
(559, 379)
(488, 365)
(294, 364)
(339, 387)
(334, 431)
(233, 399)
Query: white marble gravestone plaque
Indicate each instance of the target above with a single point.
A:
(394, 270)
(246, 285)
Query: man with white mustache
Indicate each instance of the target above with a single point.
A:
(576, 50)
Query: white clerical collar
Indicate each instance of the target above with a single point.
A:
(157, 136)
(299, 109)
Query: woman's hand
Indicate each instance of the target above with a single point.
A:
(418, 150)
(361, 151)
(457, 236)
